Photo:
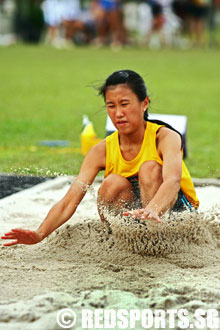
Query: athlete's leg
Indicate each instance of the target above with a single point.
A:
(115, 193)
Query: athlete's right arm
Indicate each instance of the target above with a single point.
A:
(65, 208)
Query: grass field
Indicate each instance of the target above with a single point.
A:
(45, 92)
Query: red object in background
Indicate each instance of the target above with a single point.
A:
(158, 22)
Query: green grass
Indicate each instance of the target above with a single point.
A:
(45, 92)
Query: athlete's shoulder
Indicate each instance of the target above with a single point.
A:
(167, 139)
(99, 148)
(164, 132)
(96, 156)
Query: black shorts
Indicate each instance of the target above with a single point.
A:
(182, 203)
(196, 11)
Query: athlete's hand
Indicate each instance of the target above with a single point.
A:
(22, 236)
(143, 214)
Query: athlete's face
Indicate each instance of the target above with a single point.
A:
(124, 108)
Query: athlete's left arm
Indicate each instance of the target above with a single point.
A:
(169, 149)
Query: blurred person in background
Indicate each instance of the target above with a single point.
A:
(180, 9)
(28, 20)
(198, 11)
(212, 22)
(52, 18)
(108, 19)
(66, 14)
(153, 23)
(158, 14)
(165, 25)
(71, 19)
(155, 36)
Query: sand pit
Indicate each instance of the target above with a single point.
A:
(171, 265)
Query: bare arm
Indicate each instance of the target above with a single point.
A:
(169, 149)
(65, 208)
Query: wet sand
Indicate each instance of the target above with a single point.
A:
(172, 265)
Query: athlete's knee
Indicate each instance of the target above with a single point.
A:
(150, 171)
(112, 185)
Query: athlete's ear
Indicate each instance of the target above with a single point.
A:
(145, 103)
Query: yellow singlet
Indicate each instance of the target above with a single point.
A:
(115, 163)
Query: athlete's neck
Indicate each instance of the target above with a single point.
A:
(134, 138)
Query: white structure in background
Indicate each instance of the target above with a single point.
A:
(7, 10)
(179, 122)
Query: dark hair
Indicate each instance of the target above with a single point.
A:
(134, 81)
